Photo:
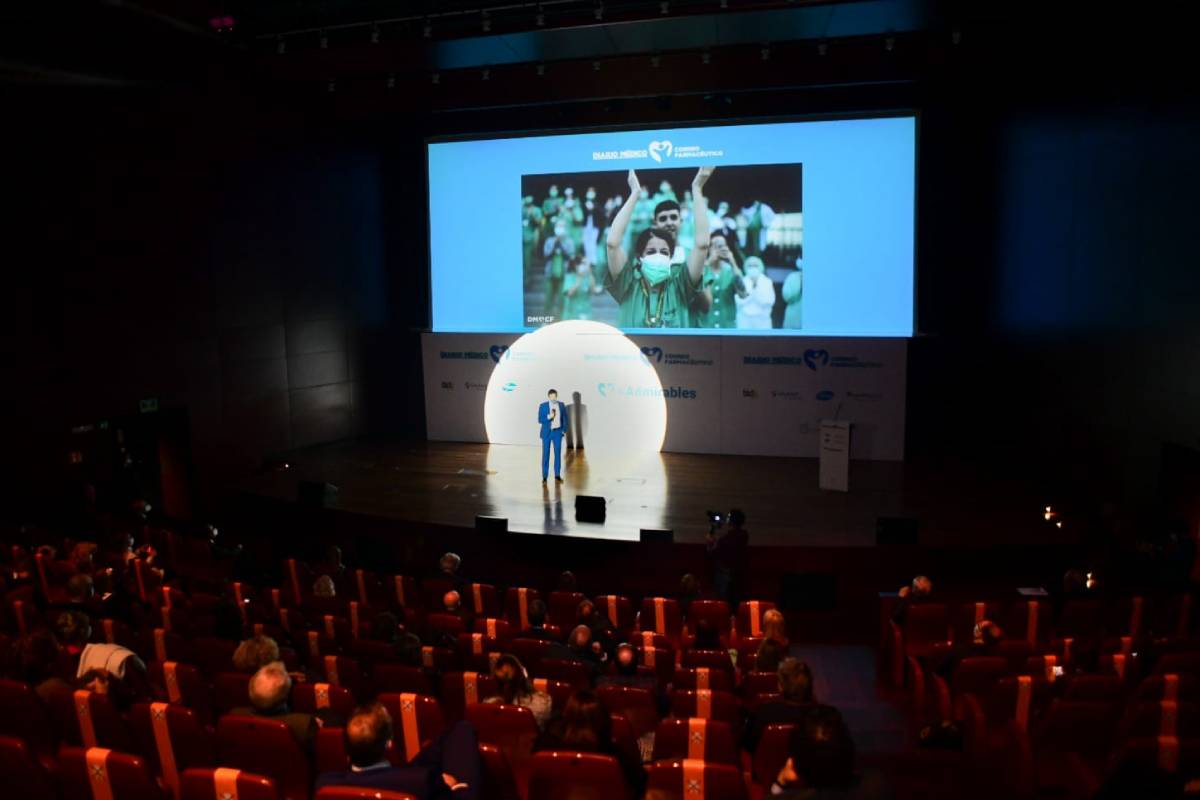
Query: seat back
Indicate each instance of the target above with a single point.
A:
(310, 698)
(564, 775)
(1178, 664)
(977, 674)
(460, 689)
(1102, 688)
(1185, 688)
(90, 720)
(925, 624)
(772, 753)
(22, 716)
(1019, 698)
(360, 793)
(575, 673)
(478, 652)
(1075, 727)
(498, 780)
(181, 684)
(24, 777)
(230, 690)
(516, 605)
(497, 628)
(509, 727)
(234, 784)
(661, 615)
(660, 660)
(98, 772)
(171, 739)
(749, 617)
(416, 721)
(704, 678)
(481, 599)
(714, 611)
(1164, 718)
(530, 651)
(404, 592)
(703, 739)
(618, 609)
(635, 704)
(265, 747)
(214, 655)
(712, 659)
(705, 704)
(560, 691)
(562, 608)
(387, 678)
(691, 779)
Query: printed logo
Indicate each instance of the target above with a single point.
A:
(497, 350)
(605, 388)
(825, 394)
(655, 353)
(816, 358)
(785, 394)
(511, 386)
(447, 384)
(473, 385)
(660, 149)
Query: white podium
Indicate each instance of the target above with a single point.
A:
(834, 454)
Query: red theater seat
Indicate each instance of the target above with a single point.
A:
(562, 775)
(171, 739)
(705, 704)
(692, 780)
(511, 728)
(749, 617)
(563, 607)
(461, 689)
(86, 774)
(399, 678)
(265, 747)
(636, 705)
(560, 691)
(618, 609)
(24, 717)
(478, 652)
(575, 673)
(703, 739)
(704, 678)
(712, 659)
(661, 615)
(498, 780)
(231, 690)
(181, 684)
(773, 751)
(481, 599)
(714, 611)
(222, 783)
(23, 776)
(310, 698)
(496, 628)
(416, 721)
(359, 793)
(530, 652)
(88, 719)
(516, 605)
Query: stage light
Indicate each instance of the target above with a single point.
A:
(706, 57)
(280, 46)
(375, 34)
(391, 81)
(1058, 524)
(485, 21)
(655, 61)
(595, 66)
(427, 30)
(540, 18)
(324, 41)
(889, 43)
(541, 70)
(436, 78)
(486, 74)
(598, 11)
(822, 48)
(664, 7)
(765, 52)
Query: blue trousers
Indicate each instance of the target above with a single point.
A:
(556, 437)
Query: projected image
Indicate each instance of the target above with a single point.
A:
(619, 247)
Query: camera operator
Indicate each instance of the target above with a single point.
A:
(728, 554)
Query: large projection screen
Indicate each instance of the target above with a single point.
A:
(811, 230)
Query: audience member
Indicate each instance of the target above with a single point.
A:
(270, 689)
(255, 653)
(796, 701)
(585, 726)
(625, 672)
(728, 555)
(34, 659)
(918, 592)
(448, 767)
(74, 630)
(770, 653)
(448, 570)
(324, 587)
(409, 651)
(821, 763)
(536, 612)
(515, 689)
(774, 626)
(987, 636)
(566, 581)
(707, 637)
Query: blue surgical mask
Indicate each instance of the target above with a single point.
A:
(656, 268)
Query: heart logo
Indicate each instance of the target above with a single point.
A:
(816, 358)
(660, 150)
(498, 350)
(655, 353)
(605, 388)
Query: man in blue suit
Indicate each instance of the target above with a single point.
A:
(552, 416)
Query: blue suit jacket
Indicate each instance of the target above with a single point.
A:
(544, 417)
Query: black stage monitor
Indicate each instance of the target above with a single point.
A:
(485, 524)
(657, 536)
(589, 508)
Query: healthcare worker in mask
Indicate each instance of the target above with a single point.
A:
(577, 291)
(559, 250)
(650, 291)
(754, 307)
(721, 285)
(553, 203)
(793, 293)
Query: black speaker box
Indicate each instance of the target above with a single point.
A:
(589, 508)
(316, 494)
(491, 524)
(896, 532)
(656, 536)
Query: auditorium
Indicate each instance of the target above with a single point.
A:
(581, 399)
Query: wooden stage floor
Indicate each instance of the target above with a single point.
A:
(449, 483)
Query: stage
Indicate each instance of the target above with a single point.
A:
(446, 483)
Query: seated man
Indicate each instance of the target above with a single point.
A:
(821, 763)
(918, 592)
(537, 623)
(270, 688)
(449, 767)
(625, 673)
(794, 706)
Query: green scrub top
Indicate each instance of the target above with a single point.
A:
(793, 291)
(578, 305)
(723, 312)
(666, 308)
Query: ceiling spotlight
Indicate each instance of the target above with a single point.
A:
(280, 46)
(427, 30)
(822, 48)
(486, 22)
(391, 81)
(765, 52)
(436, 78)
(889, 43)
(541, 70)
(706, 57)
(375, 33)
(664, 7)
(655, 61)
(598, 11)
(324, 41)
(540, 17)
(486, 74)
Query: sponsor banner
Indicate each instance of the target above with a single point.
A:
(690, 364)
(737, 395)
(457, 367)
(776, 391)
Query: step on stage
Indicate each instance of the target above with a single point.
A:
(450, 483)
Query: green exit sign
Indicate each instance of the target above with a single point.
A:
(149, 405)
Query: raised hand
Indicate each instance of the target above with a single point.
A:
(634, 185)
(702, 176)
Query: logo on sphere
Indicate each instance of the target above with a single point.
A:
(497, 350)
(660, 150)
(511, 386)
(815, 359)
(654, 353)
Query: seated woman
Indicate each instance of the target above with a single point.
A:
(515, 689)
(775, 627)
(585, 726)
